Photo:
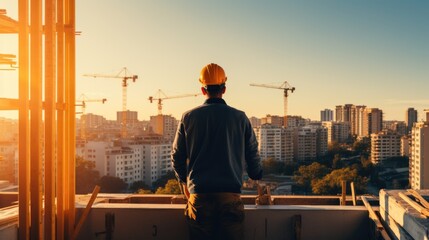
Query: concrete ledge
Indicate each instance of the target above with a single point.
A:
(415, 224)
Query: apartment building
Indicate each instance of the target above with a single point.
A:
(352, 114)
(96, 152)
(326, 115)
(165, 125)
(372, 121)
(275, 142)
(274, 120)
(384, 145)
(310, 142)
(337, 131)
(143, 158)
(419, 156)
(405, 146)
(297, 121)
(130, 116)
(124, 163)
(399, 127)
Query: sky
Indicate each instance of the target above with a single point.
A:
(366, 52)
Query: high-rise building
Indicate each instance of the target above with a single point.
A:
(410, 118)
(343, 113)
(419, 155)
(310, 142)
(337, 131)
(405, 146)
(130, 116)
(384, 145)
(356, 123)
(326, 115)
(275, 142)
(372, 121)
(165, 125)
(352, 114)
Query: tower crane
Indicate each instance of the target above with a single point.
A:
(286, 88)
(160, 96)
(82, 103)
(124, 75)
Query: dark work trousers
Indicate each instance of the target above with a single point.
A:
(215, 216)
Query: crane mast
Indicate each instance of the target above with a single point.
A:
(286, 89)
(124, 75)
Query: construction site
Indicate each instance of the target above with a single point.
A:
(48, 207)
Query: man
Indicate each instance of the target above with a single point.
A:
(212, 143)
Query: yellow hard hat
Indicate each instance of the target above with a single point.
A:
(212, 74)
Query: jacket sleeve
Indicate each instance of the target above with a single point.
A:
(179, 153)
(253, 160)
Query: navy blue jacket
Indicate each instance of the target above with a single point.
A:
(213, 143)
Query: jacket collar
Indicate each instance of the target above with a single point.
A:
(215, 101)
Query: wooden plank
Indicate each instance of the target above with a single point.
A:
(50, 120)
(24, 128)
(61, 151)
(36, 61)
(419, 198)
(343, 193)
(9, 104)
(415, 205)
(352, 186)
(86, 211)
(375, 218)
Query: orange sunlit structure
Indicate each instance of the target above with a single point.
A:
(124, 75)
(49, 182)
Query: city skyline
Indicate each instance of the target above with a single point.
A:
(333, 52)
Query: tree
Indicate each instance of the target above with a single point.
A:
(336, 162)
(160, 182)
(144, 191)
(172, 187)
(271, 166)
(109, 184)
(138, 185)
(331, 183)
(86, 176)
(305, 174)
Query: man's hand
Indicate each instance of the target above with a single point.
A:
(264, 195)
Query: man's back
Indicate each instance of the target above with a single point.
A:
(216, 136)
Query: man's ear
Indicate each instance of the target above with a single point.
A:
(224, 90)
(203, 90)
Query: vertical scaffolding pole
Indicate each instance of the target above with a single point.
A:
(61, 118)
(36, 118)
(50, 123)
(70, 112)
(24, 132)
